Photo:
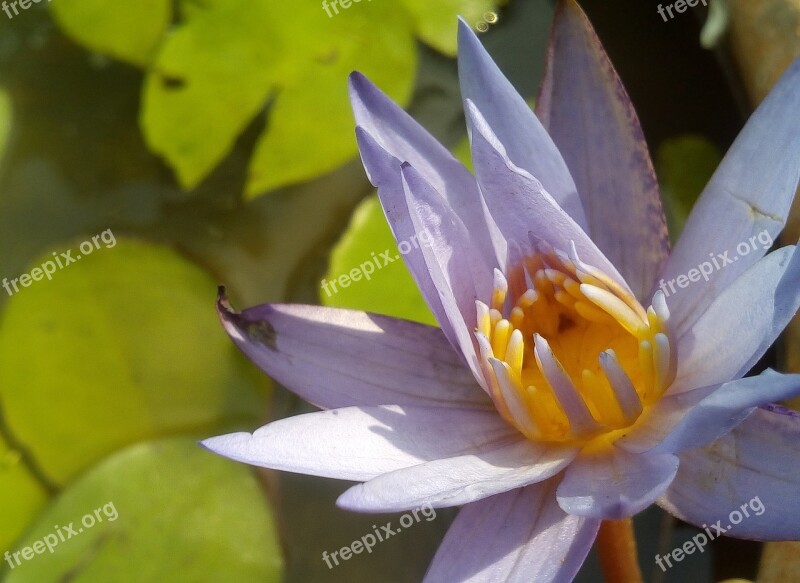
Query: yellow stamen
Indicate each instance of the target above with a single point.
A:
(613, 306)
(502, 333)
(593, 314)
(600, 399)
(514, 354)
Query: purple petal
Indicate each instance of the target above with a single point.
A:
(754, 469)
(588, 114)
(750, 193)
(696, 418)
(384, 173)
(737, 328)
(460, 276)
(338, 358)
(403, 138)
(523, 209)
(359, 443)
(613, 484)
(516, 537)
(460, 480)
(525, 140)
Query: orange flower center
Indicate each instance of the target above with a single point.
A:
(569, 353)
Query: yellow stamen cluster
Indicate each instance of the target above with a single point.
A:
(570, 353)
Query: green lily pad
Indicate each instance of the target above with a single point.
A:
(310, 127)
(158, 511)
(436, 21)
(211, 77)
(128, 30)
(228, 59)
(21, 495)
(121, 345)
(390, 289)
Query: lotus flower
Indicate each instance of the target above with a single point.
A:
(563, 387)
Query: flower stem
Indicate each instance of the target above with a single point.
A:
(616, 545)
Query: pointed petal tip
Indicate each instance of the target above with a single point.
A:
(478, 122)
(571, 7)
(358, 84)
(225, 445)
(223, 305)
(463, 29)
(355, 499)
(348, 499)
(231, 319)
(208, 444)
(228, 316)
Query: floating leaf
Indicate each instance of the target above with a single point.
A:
(158, 511)
(122, 345)
(436, 21)
(211, 77)
(129, 30)
(226, 58)
(310, 126)
(21, 495)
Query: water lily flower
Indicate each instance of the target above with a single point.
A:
(571, 380)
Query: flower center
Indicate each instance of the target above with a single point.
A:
(569, 353)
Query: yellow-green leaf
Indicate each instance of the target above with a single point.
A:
(121, 345)
(21, 495)
(210, 79)
(310, 128)
(129, 30)
(158, 511)
(436, 21)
